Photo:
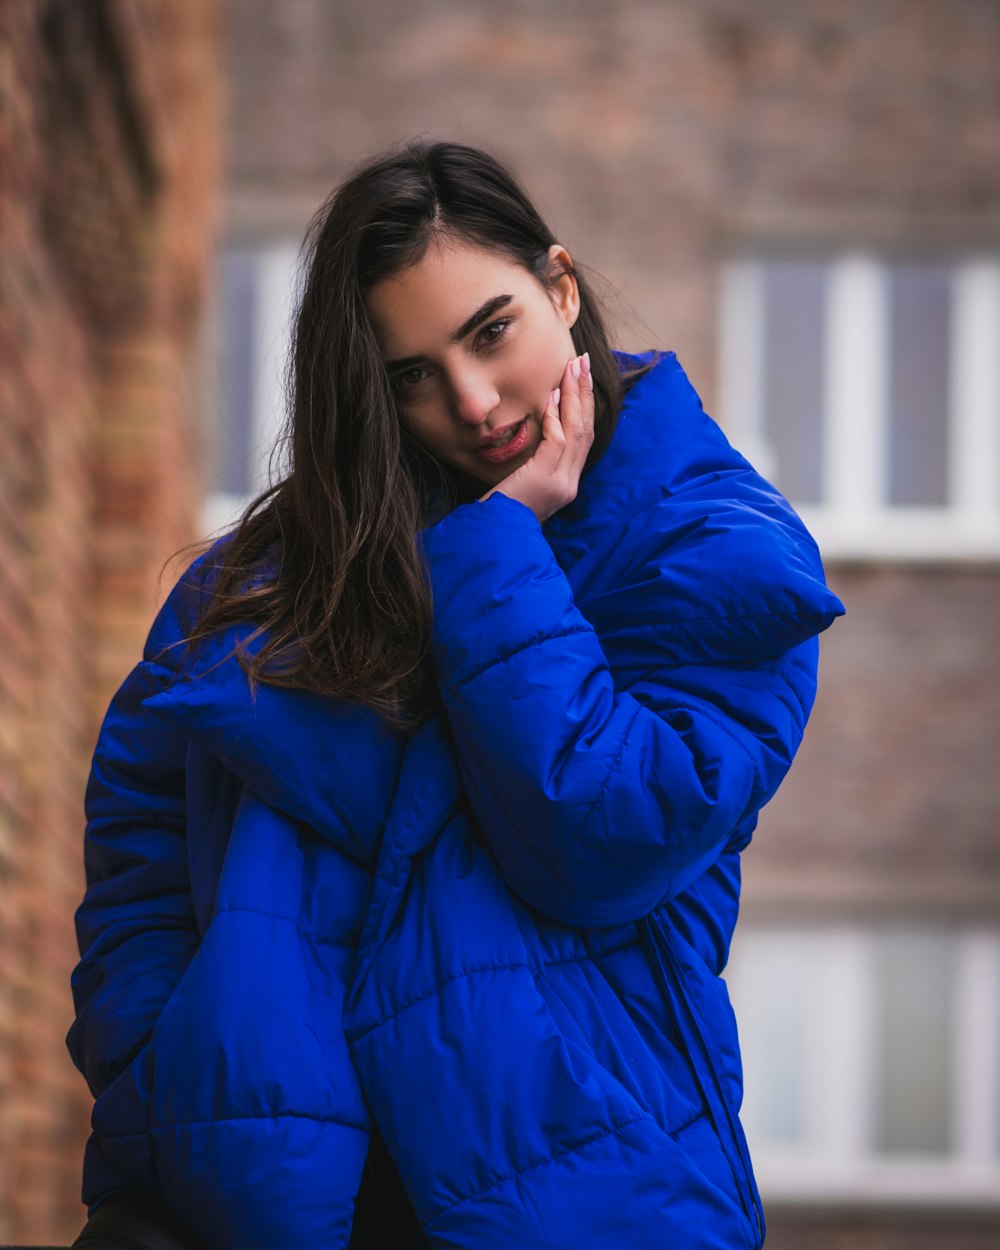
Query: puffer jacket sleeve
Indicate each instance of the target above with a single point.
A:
(603, 790)
(136, 926)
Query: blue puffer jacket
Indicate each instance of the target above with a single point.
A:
(498, 939)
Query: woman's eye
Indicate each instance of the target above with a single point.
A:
(408, 379)
(489, 334)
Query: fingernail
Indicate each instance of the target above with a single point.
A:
(585, 363)
(555, 395)
(574, 367)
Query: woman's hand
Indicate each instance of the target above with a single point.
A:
(550, 479)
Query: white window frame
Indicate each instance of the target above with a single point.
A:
(836, 1160)
(855, 521)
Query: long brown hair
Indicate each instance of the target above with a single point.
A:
(326, 564)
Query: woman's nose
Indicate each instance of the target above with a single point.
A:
(474, 397)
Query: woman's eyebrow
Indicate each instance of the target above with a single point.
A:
(480, 315)
(483, 313)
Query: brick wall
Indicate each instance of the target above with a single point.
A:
(108, 194)
(892, 805)
(874, 1230)
(657, 134)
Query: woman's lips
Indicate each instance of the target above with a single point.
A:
(508, 450)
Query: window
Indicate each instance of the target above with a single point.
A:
(257, 294)
(867, 388)
(872, 1061)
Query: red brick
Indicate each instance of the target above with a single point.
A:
(101, 291)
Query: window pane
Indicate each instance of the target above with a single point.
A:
(919, 311)
(794, 317)
(915, 973)
(239, 304)
(769, 978)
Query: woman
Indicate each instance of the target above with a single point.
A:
(415, 836)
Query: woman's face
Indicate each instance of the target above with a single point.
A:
(474, 345)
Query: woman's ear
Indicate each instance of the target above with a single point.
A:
(564, 289)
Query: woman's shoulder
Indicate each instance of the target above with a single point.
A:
(194, 591)
(664, 435)
(677, 515)
(186, 601)
(663, 442)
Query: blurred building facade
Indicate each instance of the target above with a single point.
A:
(802, 197)
(110, 164)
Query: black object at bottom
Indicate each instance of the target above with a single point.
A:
(383, 1217)
(134, 1221)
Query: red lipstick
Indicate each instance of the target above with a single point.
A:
(498, 454)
